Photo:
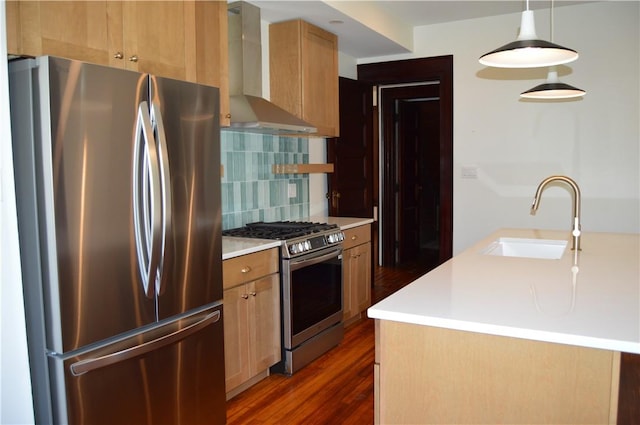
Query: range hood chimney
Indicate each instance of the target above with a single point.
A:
(249, 111)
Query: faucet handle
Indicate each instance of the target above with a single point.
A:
(576, 227)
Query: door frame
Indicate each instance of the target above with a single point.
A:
(409, 71)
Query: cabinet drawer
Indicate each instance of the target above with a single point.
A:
(247, 268)
(356, 236)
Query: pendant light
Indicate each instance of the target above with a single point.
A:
(528, 51)
(553, 88)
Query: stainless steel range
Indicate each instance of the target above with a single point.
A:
(311, 279)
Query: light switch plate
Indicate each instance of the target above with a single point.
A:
(470, 172)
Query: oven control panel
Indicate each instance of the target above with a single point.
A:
(312, 243)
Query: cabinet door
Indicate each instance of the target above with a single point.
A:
(357, 280)
(159, 38)
(320, 79)
(212, 51)
(349, 274)
(304, 73)
(266, 329)
(81, 30)
(362, 297)
(236, 336)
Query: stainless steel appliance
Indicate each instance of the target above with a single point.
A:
(311, 279)
(120, 229)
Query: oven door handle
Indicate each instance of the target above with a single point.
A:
(295, 264)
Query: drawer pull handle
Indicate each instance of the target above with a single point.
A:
(253, 294)
(118, 55)
(354, 237)
(245, 269)
(245, 296)
(133, 58)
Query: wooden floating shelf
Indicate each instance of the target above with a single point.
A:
(302, 168)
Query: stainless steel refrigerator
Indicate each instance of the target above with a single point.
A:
(118, 187)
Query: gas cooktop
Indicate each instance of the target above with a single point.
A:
(280, 230)
(299, 237)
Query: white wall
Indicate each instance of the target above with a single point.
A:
(347, 66)
(16, 405)
(515, 144)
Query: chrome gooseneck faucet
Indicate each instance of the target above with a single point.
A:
(576, 204)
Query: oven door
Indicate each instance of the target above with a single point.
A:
(312, 295)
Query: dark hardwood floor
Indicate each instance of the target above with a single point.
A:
(337, 388)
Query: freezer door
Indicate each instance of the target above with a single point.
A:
(185, 116)
(84, 118)
(172, 374)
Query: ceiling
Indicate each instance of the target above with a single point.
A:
(380, 28)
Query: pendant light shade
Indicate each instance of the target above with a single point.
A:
(553, 89)
(528, 51)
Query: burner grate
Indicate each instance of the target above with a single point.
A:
(280, 230)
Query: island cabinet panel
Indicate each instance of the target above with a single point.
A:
(356, 272)
(185, 40)
(426, 374)
(251, 318)
(303, 64)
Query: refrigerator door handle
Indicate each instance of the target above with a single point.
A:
(146, 201)
(165, 183)
(87, 365)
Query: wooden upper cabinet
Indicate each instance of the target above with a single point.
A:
(212, 51)
(72, 29)
(185, 40)
(158, 38)
(303, 61)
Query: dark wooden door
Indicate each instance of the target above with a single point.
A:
(439, 125)
(419, 182)
(351, 183)
(409, 186)
(409, 113)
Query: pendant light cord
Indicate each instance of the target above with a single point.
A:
(552, 69)
(551, 20)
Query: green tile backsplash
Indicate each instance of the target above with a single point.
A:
(250, 191)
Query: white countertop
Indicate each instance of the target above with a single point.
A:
(235, 247)
(343, 222)
(596, 304)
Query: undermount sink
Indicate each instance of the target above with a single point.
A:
(527, 248)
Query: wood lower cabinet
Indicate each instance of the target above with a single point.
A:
(356, 272)
(251, 318)
(303, 61)
(185, 40)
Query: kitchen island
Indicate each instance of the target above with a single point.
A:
(498, 339)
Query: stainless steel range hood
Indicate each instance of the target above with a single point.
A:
(249, 111)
